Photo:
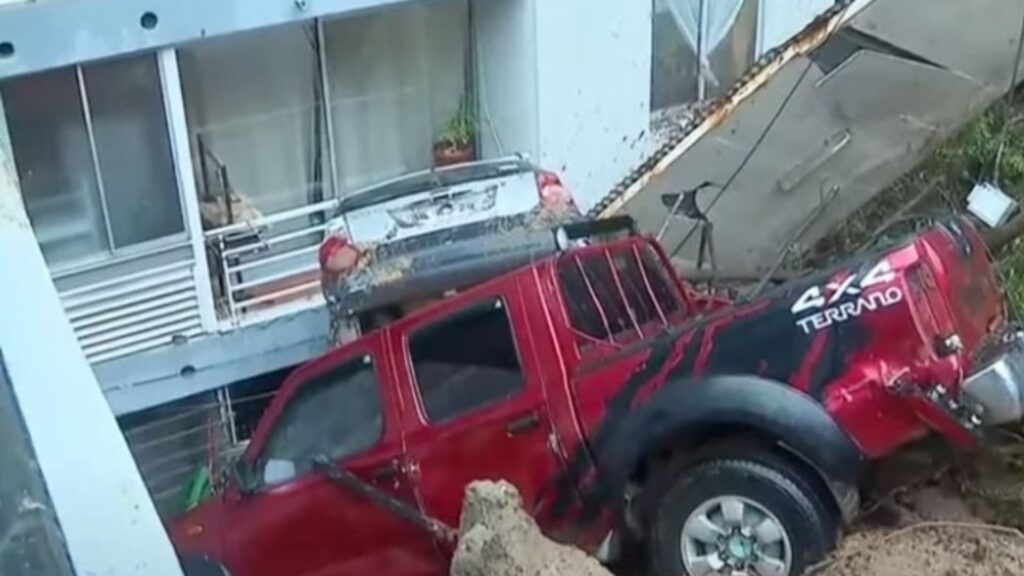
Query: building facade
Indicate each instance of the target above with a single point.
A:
(177, 159)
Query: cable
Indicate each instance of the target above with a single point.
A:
(760, 139)
(749, 155)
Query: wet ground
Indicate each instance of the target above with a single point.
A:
(931, 512)
(939, 514)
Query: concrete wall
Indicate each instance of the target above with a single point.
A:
(593, 90)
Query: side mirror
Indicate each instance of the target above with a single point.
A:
(243, 476)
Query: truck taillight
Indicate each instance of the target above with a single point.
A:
(338, 256)
(554, 197)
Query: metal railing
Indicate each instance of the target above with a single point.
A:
(267, 266)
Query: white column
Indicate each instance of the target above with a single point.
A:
(177, 129)
(593, 90)
(567, 82)
(108, 520)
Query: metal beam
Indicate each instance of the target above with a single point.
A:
(37, 36)
(109, 523)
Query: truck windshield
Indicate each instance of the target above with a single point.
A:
(617, 293)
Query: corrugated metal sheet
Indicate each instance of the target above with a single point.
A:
(134, 313)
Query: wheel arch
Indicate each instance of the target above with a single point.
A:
(685, 415)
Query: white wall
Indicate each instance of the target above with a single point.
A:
(781, 19)
(593, 90)
(569, 83)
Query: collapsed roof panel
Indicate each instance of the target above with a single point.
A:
(856, 99)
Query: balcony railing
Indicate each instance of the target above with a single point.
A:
(267, 266)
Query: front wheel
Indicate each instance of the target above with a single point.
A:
(738, 517)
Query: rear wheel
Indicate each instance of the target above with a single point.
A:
(746, 516)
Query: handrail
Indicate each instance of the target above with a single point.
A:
(256, 279)
(250, 225)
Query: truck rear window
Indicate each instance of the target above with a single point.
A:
(618, 293)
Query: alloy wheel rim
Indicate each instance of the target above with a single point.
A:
(736, 536)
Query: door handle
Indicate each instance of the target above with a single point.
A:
(524, 424)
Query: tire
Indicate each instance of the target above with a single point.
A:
(766, 491)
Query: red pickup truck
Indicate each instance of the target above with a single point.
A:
(726, 437)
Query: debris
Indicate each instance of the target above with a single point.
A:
(953, 522)
(498, 538)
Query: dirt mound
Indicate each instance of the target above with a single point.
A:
(939, 550)
(931, 514)
(498, 538)
(932, 518)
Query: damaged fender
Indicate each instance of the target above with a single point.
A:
(686, 409)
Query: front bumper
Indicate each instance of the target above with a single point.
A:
(996, 390)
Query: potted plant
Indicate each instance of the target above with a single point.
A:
(455, 144)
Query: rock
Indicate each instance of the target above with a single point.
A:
(498, 538)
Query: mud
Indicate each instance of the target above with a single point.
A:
(937, 515)
(930, 513)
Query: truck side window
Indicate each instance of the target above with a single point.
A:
(606, 306)
(665, 292)
(466, 361)
(337, 414)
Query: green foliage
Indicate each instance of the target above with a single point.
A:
(1011, 266)
(460, 130)
(971, 156)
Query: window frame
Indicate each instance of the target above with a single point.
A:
(257, 460)
(138, 249)
(490, 301)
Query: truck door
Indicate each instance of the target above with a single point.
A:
(479, 410)
(296, 521)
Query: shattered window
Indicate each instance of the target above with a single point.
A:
(31, 541)
(466, 361)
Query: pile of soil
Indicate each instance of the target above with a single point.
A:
(498, 538)
(936, 514)
(930, 513)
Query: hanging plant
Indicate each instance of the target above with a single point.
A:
(455, 143)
